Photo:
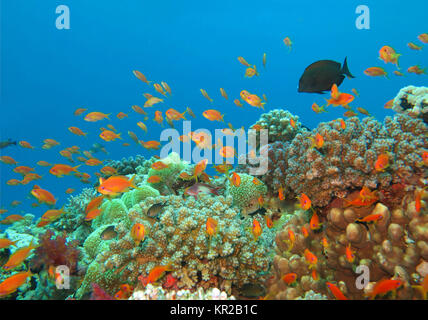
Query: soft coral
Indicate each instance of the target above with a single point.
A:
(56, 251)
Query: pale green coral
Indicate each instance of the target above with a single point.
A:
(246, 195)
(111, 211)
(94, 244)
(179, 237)
(107, 280)
(170, 174)
(135, 196)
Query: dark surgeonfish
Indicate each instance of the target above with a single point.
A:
(4, 144)
(321, 75)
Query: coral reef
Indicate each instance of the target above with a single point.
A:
(158, 293)
(126, 166)
(178, 237)
(413, 101)
(245, 196)
(393, 247)
(346, 161)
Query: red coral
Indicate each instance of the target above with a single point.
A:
(170, 282)
(99, 294)
(56, 251)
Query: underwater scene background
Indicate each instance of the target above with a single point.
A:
(93, 207)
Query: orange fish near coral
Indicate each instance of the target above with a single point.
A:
(12, 283)
(92, 214)
(317, 141)
(5, 243)
(305, 202)
(11, 219)
(115, 185)
(336, 291)
(138, 233)
(173, 114)
(157, 272)
(315, 222)
(256, 229)
(235, 180)
(289, 278)
(349, 254)
(60, 170)
(108, 135)
(382, 162)
(211, 226)
(150, 144)
(140, 76)
(19, 256)
(49, 216)
(311, 259)
(43, 196)
(382, 287)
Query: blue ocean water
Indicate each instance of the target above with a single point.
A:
(46, 73)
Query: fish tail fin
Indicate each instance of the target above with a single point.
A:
(345, 69)
(131, 182)
(107, 115)
(119, 136)
(222, 118)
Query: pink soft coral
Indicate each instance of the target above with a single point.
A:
(56, 251)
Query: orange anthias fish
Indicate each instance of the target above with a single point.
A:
(141, 76)
(199, 168)
(388, 54)
(227, 152)
(115, 185)
(423, 37)
(108, 135)
(151, 144)
(79, 111)
(213, 115)
(211, 226)
(418, 196)
(243, 61)
(205, 94)
(49, 216)
(256, 229)
(77, 131)
(336, 291)
(315, 222)
(416, 70)
(289, 278)
(121, 115)
(92, 214)
(288, 42)
(25, 144)
(18, 257)
(11, 284)
(43, 196)
(159, 165)
(317, 141)
(254, 101)
(197, 188)
(60, 170)
(96, 116)
(291, 239)
(281, 193)
(349, 254)
(154, 179)
(235, 180)
(371, 218)
(93, 162)
(7, 160)
(5, 243)
(382, 162)
(375, 72)
(157, 272)
(382, 287)
(11, 219)
(223, 93)
(269, 222)
(138, 109)
(138, 233)
(173, 114)
(413, 46)
(311, 259)
(305, 202)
